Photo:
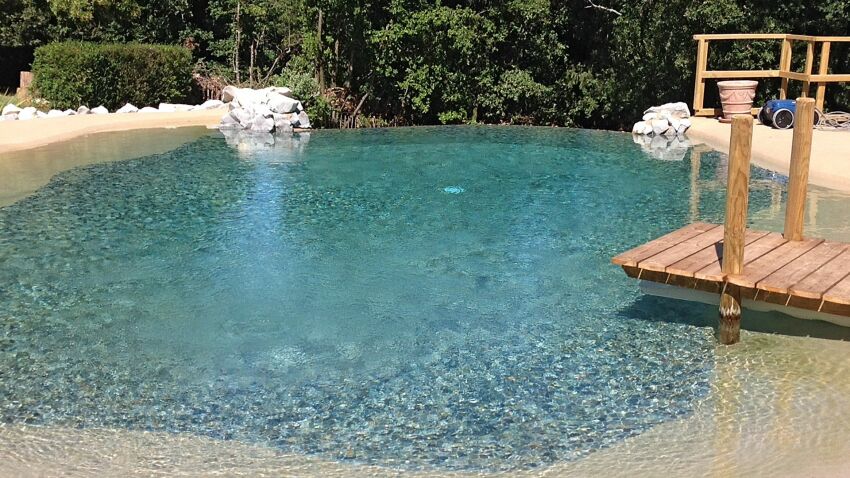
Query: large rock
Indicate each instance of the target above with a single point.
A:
(303, 119)
(128, 108)
(677, 110)
(229, 122)
(10, 109)
(149, 109)
(83, 110)
(659, 126)
(28, 113)
(262, 124)
(100, 110)
(70, 112)
(283, 104)
(56, 113)
(208, 105)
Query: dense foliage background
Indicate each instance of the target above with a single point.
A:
(564, 62)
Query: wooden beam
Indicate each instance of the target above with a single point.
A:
(740, 36)
(733, 74)
(714, 112)
(798, 176)
(823, 69)
(699, 80)
(737, 201)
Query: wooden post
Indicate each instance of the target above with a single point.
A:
(784, 67)
(810, 58)
(823, 69)
(737, 199)
(798, 176)
(699, 82)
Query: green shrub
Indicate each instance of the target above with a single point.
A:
(298, 76)
(71, 74)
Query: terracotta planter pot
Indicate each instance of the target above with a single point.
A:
(737, 97)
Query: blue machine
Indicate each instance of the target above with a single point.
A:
(780, 114)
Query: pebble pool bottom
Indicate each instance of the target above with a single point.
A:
(424, 298)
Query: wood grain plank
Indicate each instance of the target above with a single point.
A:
(774, 260)
(660, 261)
(839, 293)
(688, 266)
(821, 280)
(797, 270)
(752, 252)
(633, 256)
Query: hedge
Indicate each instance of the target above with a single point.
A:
(71, 74)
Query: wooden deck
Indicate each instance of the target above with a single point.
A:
(810, 274)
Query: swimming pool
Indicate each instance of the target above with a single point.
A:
(423, 299)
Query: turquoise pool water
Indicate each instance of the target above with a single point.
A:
(428, 298)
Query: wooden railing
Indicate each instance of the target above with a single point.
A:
(784, 71)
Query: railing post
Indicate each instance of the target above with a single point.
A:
(699, 81)
(810, 58)
(784, 67)
(823, 69)
(737, 199)
(798, 175)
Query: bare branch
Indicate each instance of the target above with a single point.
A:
(590, 4)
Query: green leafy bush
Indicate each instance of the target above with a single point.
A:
(71, 74)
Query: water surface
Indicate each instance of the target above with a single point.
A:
(428, 298)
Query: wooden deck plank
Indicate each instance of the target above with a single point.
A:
(632, 257)
(753, 251)
(839, 293)
(772, 261)
(781, 280)
(688, 247)
(821, 280)
(711, 254)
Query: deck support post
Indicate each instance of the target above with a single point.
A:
(737, 202)
(798, 175)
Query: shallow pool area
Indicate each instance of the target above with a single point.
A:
(430, 300)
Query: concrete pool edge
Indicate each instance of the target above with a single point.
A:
(24, 135)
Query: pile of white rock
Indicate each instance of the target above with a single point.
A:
(11, 112)
(668, 119)
(268, 110)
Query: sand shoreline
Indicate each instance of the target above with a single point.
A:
(772, 150)
(22, 135)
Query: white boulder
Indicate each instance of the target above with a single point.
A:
(650, 116)
(149, 109)
(56, 113)
(677, 110)
(208, 105)
(303, 120)
(262, 124)
(283, 104)
(27, 113)
(659, 126)
(83, 110)
(99, 110)
(128, 108)
(10, 109)
(70, 112)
